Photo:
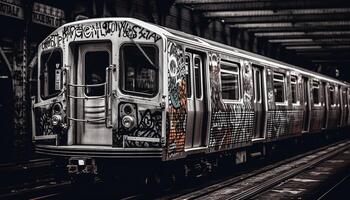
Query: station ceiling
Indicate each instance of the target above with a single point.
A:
(316, 30)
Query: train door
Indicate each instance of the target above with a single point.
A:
(259, 103)
(340, 106)
(190, 102)
(93, 59)
(344, 106)
(195, 135)
(325, 105)
(306, 109)
(348, 118)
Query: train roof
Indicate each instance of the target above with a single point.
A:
(198, 41)
(249, 55)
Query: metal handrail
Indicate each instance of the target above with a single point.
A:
(106, 96)
(94, 85)
(87, 120)
(88, 97)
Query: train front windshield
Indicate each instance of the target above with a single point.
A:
(139, 71)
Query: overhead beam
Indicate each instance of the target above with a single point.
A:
(304, 47)
(298, 28)
(330, 61)
(289, 24)
(324, 54)
(265, 13)
(312, 43)
(269, 5)
(210, 1)
(288, 18)
(311, 33)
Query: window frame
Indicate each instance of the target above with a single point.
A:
(285, 102)
(238, 73)
(84, 69)
(257, 90)
(331, 88)
(295, 83)
(194, 94)
(189, 89)
(39, 74)
(319, 95)
(121, 76)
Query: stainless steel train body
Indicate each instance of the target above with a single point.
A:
(123, 88)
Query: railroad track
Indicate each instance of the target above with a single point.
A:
(250, 185)
(32, 164)
(51, 189)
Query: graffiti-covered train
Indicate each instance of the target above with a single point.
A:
(130, 93)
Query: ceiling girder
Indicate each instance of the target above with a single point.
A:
(288, 18)
(297, 29)
(289, 24)
(302, 34)
(265, 13)
(268, 5)
(210, 1)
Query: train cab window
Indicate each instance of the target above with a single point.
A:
(50, 73)
(279, 87)
(230, 81)
(294, 88)
(316, 92)
(331, 95)
(188, 76)
(139, 69)
(96, 63)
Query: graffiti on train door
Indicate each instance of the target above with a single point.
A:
(231, 123)
(177, 110)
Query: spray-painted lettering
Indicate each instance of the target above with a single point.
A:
(99, 30)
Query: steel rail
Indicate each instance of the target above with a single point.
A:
(257, 189)
(207, 190)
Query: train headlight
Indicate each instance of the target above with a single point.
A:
(128, 121)
(57, 108)
(56, 120)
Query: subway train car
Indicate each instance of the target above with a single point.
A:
(115, 91)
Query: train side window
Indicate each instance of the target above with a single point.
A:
(198, 76)
(257, 85)
(339, 95)
(188, 76)
(139, 69)
(279, 87)
(316, 92)
(331, 95)
(229, 75)
(50, 82)
(294, 88)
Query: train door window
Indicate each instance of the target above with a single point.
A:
(50, 76)
(188, 76)
(229, 74)
(96, 63)
(316, 92)
(198, 77)
(279, 87)
(294, 88)
(257, 85)
(139, 69)
(331, 95)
